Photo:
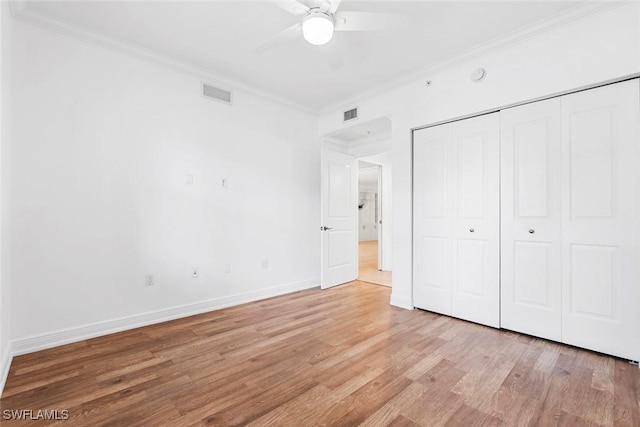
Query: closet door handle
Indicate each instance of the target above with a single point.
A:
(531, 231)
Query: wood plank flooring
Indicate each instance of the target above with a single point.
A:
(368, 265)
(338, 357)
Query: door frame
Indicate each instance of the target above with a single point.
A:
(379, 222)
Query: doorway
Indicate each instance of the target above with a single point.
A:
(370, 236)
(350, 250)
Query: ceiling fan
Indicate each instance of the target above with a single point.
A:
(320, 19)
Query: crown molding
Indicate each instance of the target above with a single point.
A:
(588, 8)
(20, 12)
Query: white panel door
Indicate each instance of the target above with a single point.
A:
(432, 265)
(600, 191)
(475, 212)
(456, 219)
(531, 267)
(339, 214)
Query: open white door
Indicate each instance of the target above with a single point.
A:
(339, 215)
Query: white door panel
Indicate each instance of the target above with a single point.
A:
(339, 210)
(475, 189)
(456, 219)
(432, 220)
(600, 189)
(434, 284)
(530, 219)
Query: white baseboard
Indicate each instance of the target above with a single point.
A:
(80, 333)
(401, 302)
(5, 364)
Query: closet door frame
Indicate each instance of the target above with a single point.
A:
(636, 76)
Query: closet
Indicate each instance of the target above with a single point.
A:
(567, 211)
(456, 219)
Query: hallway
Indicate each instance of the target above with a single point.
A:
(368, 270)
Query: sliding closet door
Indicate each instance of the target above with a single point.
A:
(456, 219)
(475, 197)
(531, 266)
(432, 219)
(600, 191)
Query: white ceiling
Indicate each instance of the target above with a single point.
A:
(369, 129)
(219, 37)
(367, 178)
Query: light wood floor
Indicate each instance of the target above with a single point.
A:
(337, 357)
(368, 268)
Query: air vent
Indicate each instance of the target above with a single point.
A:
(351, 114)
(216, 93)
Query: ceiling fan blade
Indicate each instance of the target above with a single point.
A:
(292, 6)
(369, 21)
(284, 36)
(335, 4)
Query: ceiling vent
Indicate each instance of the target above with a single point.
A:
(350, 114)
(216, 94)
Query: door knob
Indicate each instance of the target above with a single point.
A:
(471, 230)
(531, 231)
(323, 228)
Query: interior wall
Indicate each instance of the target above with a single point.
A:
(367, 224)
(590, 49)
(105, 148)
(5, 134)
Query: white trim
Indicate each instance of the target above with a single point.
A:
(563, 18)
(27, 16)
(5, 366)
(80, 333)
(401, 302)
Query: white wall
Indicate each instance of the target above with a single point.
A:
(5, 135)
(102, 147)
(592, 49)
(367, 225)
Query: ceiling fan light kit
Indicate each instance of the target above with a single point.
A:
(321, 18)
(317, 27)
